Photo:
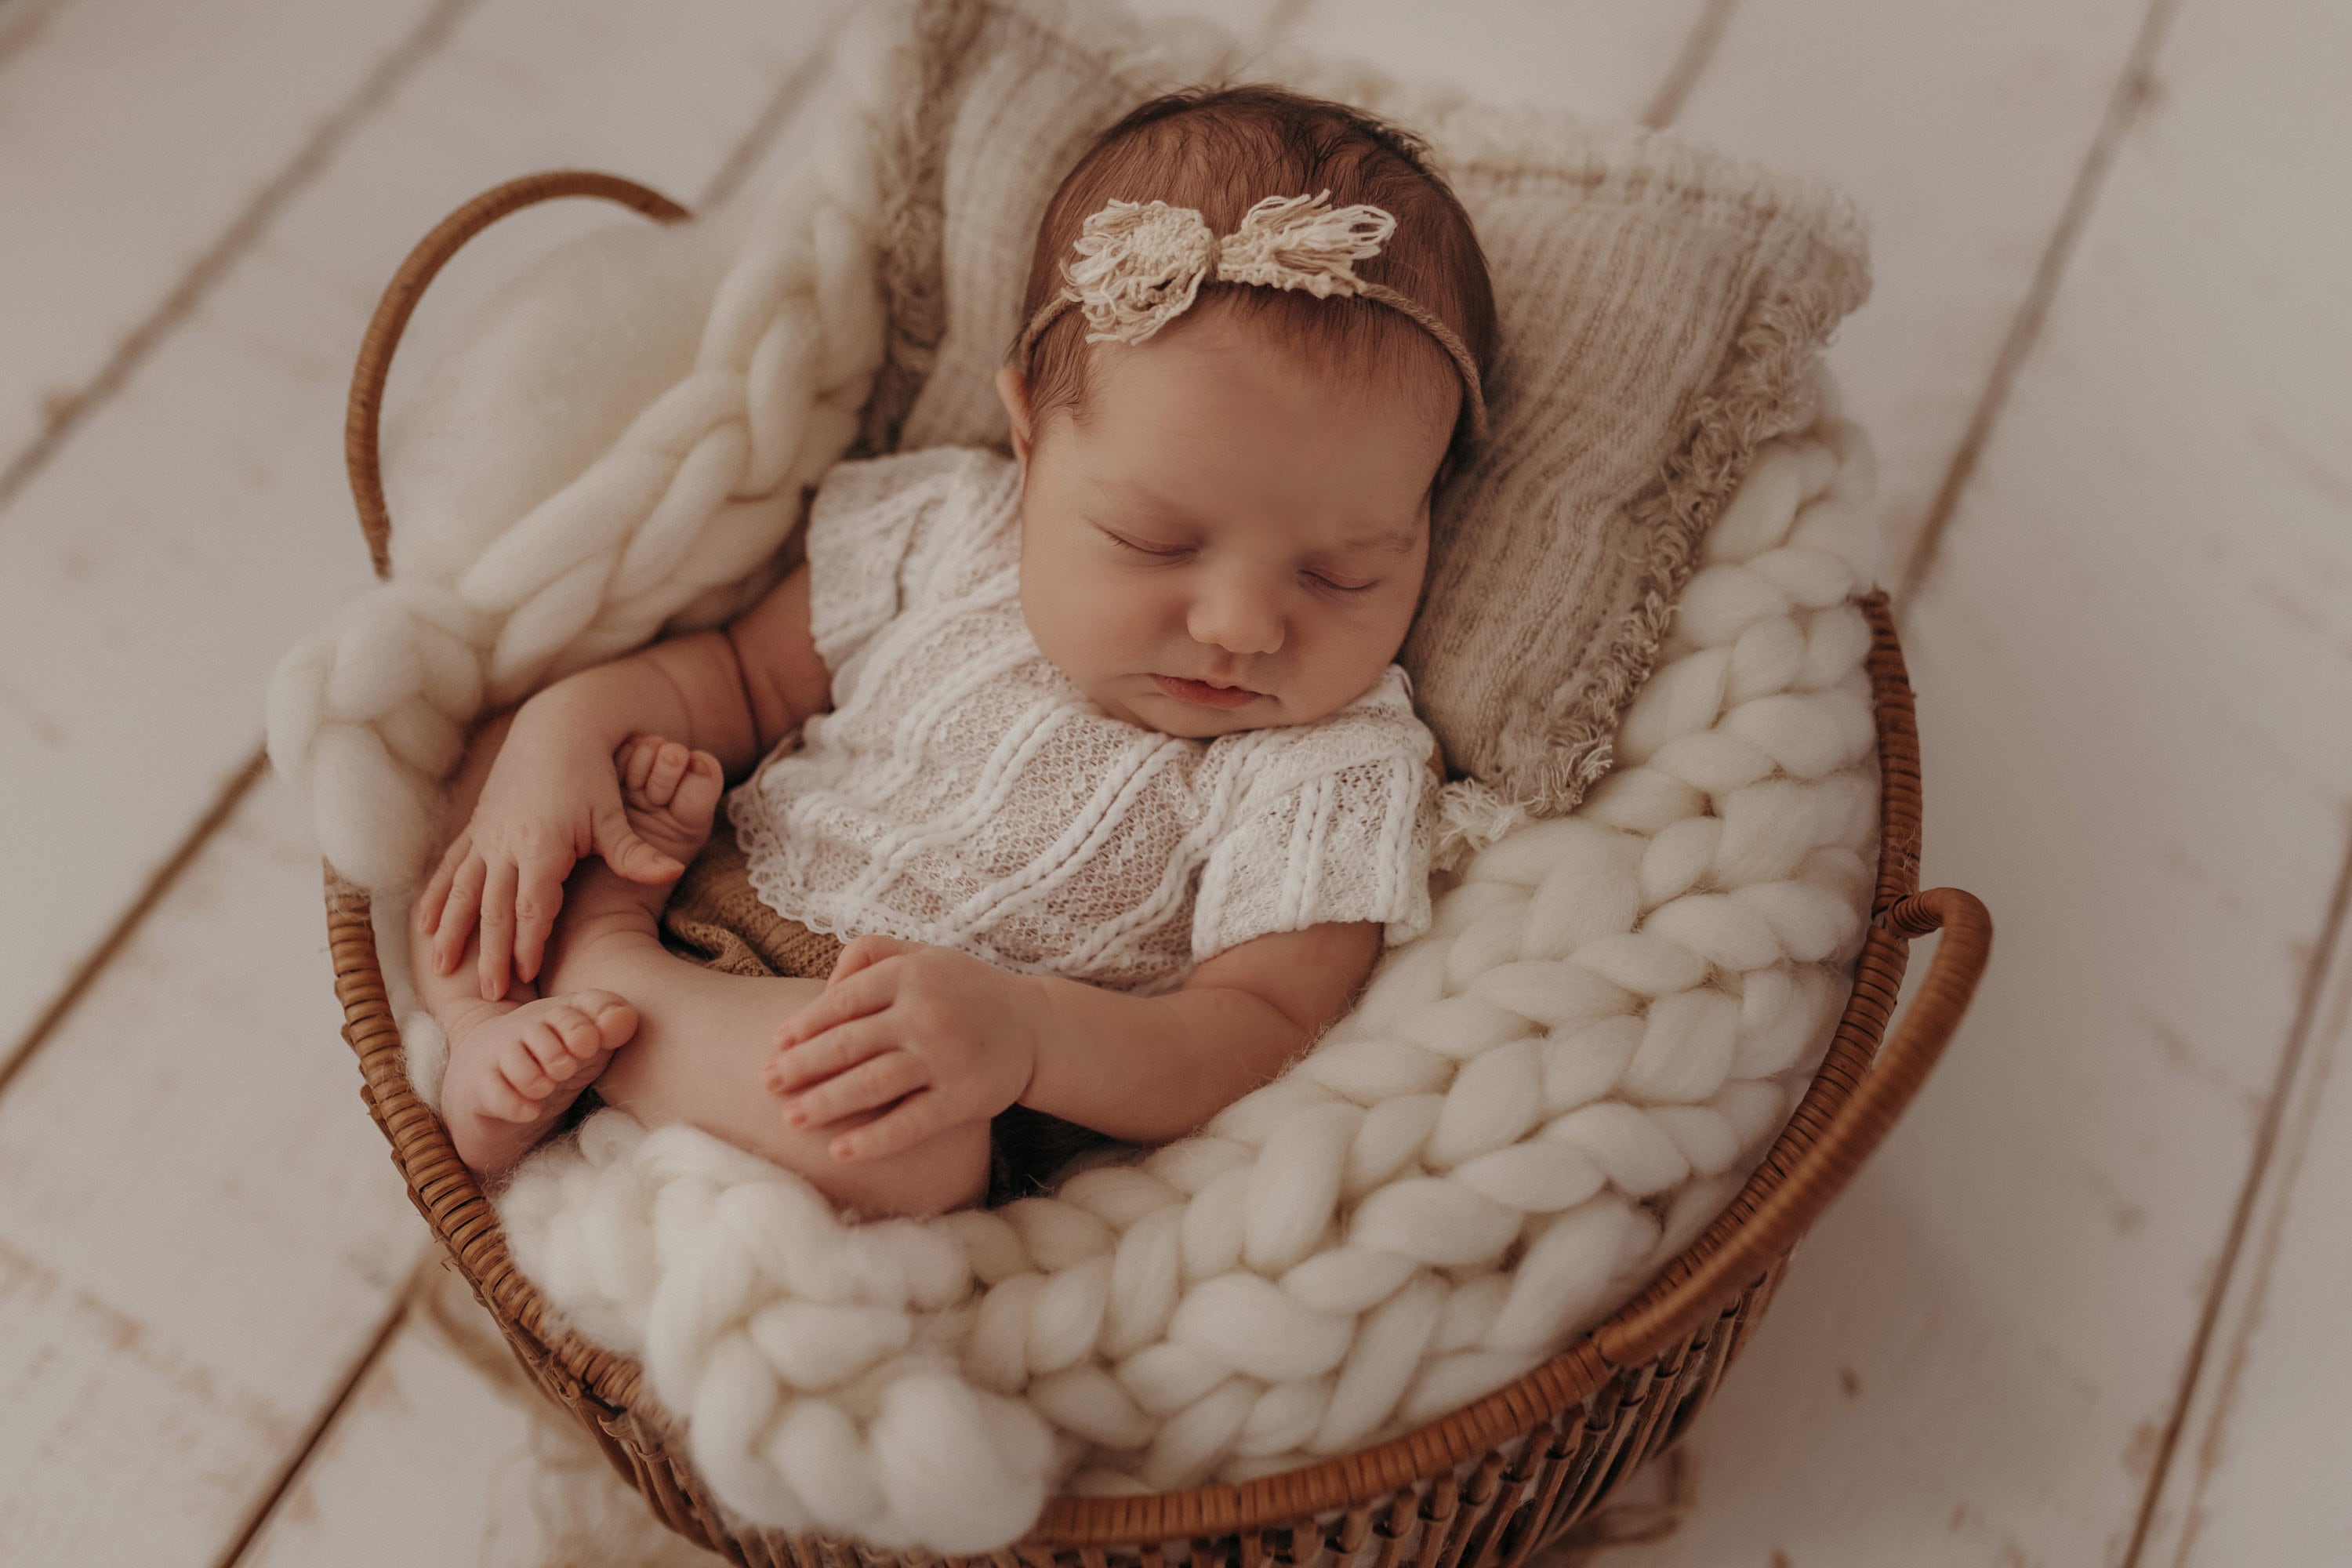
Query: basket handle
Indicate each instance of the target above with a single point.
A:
(1854, 1129)
(362, 414)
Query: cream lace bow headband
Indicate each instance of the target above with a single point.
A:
(1140, 264)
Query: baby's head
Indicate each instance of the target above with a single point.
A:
(1241, 499)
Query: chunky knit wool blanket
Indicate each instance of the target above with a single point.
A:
(1533, 1107)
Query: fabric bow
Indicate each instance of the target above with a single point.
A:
(1140, 264)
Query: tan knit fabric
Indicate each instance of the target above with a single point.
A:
(715, 918)
(1661, 308)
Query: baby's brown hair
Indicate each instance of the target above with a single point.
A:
(1218, 151)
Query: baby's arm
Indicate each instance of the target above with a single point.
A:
(955, 1039)
(552, 797)
(1152, 1069)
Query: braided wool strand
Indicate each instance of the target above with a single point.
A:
(1532, 1108)
(370, 719)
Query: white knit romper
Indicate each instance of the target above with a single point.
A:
(964, 792)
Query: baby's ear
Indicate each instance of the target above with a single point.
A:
(1012, 389)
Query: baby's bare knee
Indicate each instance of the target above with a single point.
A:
(946, 1171)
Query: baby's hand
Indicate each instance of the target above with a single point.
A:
(949, 1038)
(545, 807)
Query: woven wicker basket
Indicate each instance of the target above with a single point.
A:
(1488, 1484)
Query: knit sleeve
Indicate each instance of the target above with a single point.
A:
(1349, 841)
(870, 525)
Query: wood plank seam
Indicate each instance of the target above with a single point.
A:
(2268, 1144)
(791, 92)
(2134, 90)
(70, 409)
(1698, 53)
(739, 160)
(2305, 1099)
(85, 974)
(297, 1456)
(420, 45)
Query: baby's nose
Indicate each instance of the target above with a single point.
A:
(1241, 617)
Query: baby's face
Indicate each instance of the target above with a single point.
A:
(1233, 539)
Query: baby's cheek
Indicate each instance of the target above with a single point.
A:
(1345, 654)
(1111, 620)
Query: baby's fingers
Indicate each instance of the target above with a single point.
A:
(870, 1085)
(456, 924)
(539, 895)
(635, 759)
(498, 929)
(437, 891)
(836, 1050)
(917, 1117)
(629, 854)
(867, 992)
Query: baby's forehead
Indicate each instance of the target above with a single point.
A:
(1219, 413)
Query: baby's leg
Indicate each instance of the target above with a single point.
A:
(515, 1064)
(703, 1036)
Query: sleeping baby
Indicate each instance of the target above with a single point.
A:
(1095, 757)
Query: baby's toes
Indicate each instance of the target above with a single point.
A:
(535, 1063)
(590, 1025)
(500, 1100)
(523, 1071)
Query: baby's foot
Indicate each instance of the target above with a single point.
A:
(513, 1070)
(671, 793)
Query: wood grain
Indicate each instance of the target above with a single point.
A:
(2121, 659)
(200, 1240)
(1603, 59)
(114, 216)
(2254, 1467)
(2133, 660)
(196, 526)
(1959, 131)
(199, 1233)
(443, 1455)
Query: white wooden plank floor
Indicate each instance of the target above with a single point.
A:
(2081, 1309)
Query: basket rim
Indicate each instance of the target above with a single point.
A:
(1670, 1307)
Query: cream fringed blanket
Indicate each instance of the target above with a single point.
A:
(1534, 1106)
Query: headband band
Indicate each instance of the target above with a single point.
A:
(1140, 264)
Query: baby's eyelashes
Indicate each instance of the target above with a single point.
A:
(1153, 549)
